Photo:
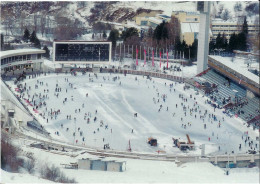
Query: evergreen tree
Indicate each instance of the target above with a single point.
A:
(37, 43)
(194, 50)
(245, 27)
(26, 35)
(212, 45)
(129, 32)
(224, 42)
(219, 41)
(104, 34)
(241, 39)
(232, 42)
(2, 42)
(47, 52)
(33, 37)
(113, 37)
(165, 33)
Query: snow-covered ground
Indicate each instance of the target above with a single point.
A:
(116, 105)
(137, 171)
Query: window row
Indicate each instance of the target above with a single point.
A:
(20, 58)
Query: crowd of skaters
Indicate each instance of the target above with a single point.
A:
(39, 101)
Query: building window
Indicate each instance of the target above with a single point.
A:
(24, 57)
(29, 57)
(33, 57)
(39, 56)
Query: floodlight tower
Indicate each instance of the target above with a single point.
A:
(203, 43)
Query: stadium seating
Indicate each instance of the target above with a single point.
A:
(250, 107)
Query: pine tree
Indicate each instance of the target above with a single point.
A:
(219, 41)
(2, 42)
(232, 42)
(241, 39)
(194, 50)
(104, 34)
(129, 32)
(33, 37)
(37, 43)
(212, 46)
(47, 52)
(26, 35)
(164, 33)
(113, 37)
(245, 27)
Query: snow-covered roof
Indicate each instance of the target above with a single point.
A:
(8, 53)
(190, 27)
(236, 67)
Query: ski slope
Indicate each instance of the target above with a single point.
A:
(116, 105)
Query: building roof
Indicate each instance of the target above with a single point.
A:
(8, 53)
(190, 27)
(236, 67)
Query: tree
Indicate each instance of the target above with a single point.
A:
(241, 39)
(113, 37)
(193, 50)
(245, 26)
(232, 42)
(2, 42)
(252, 9)
(47, 52)
(37, 43)
(219, 41)
(238, 7)
(33, 37)
(129, 32)
(26, 35)
(104, 34)
(211, 45)
(225, 14)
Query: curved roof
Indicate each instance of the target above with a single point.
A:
(9, 53)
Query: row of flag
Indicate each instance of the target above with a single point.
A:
(152, 58)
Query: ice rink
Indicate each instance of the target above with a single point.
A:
(113, 99)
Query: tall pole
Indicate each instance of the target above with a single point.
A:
(133, 52)
(120, 52)
(124, 50)
(140, 53)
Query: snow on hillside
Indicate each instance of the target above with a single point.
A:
(137, 171)
(166, 6)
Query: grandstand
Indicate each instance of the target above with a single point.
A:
(234, 88)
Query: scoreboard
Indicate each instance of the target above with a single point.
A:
(82, 52)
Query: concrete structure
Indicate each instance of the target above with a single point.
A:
(20, 59)
(238, 74)
(203, 42)
(189, 22)
(229, 27)
(84, 164)
(189, 32)
(100, 164)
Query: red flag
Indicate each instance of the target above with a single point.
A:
(136, 56)
(160, 59)
(144, 56)
(153, 59)
(167, 59)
